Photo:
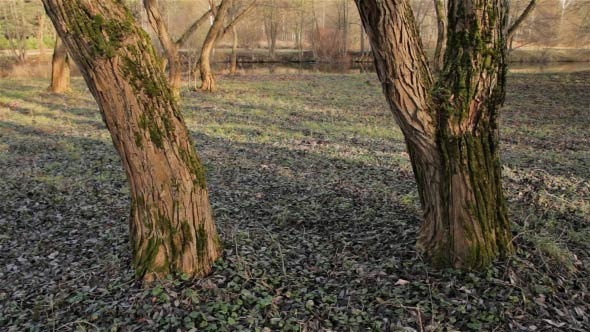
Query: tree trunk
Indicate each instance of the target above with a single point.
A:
(234, 52)
(174, 71)
(272, 51)
(345, 28)
(271, 28)
(207, 78)
(60, 69)
(362, 36)
(450, 126)
(172, 227)
(441, 40)
(41, 35)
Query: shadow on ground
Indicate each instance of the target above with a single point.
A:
(319, 224)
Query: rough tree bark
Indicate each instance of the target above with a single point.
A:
(171, 225)
(171, 46)
(450, 126)
(441, 20)
(60, 69)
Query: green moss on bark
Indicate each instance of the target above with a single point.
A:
(201, 242)
(192, 161)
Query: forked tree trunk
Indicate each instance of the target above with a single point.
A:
(441, 25)
(172, 227)
(60, 68)
(171, 47)
(450, 126)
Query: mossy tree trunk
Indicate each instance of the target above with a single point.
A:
(172, 228)
(60, 68)
(450, 125)
(441, 25)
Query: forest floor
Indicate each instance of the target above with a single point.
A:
(316, 203)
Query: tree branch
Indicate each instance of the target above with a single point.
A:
(155, 19)
(237, 18)
(196, 24)
(527, 11)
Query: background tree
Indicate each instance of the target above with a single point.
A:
(172, 227)
(60, 68)
(17, 28)
(171, 47)
(450, 125)
(518, 21)
(41, 33)
(217, 30)
(271, 26)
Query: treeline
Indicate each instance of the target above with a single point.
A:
(327, 28)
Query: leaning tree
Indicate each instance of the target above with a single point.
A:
(449, 124)
(171, 225)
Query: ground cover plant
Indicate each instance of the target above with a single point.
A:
(315, 201)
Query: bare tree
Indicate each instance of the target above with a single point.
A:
(171, 46)
(450, 125)
(16, 28)
(41, 34)
(217, 30)
(172, 227)
(523, 16)
(271, 26)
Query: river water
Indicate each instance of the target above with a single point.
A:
(42, 69)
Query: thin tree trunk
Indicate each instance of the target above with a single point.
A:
(273, 41)
(60, 68)
(207, 78)
(301, 29)
(345, 28)
(172, 227)
(362, 35)
(441, 40)
(450, 126)
(41, 35)
(234, 52)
